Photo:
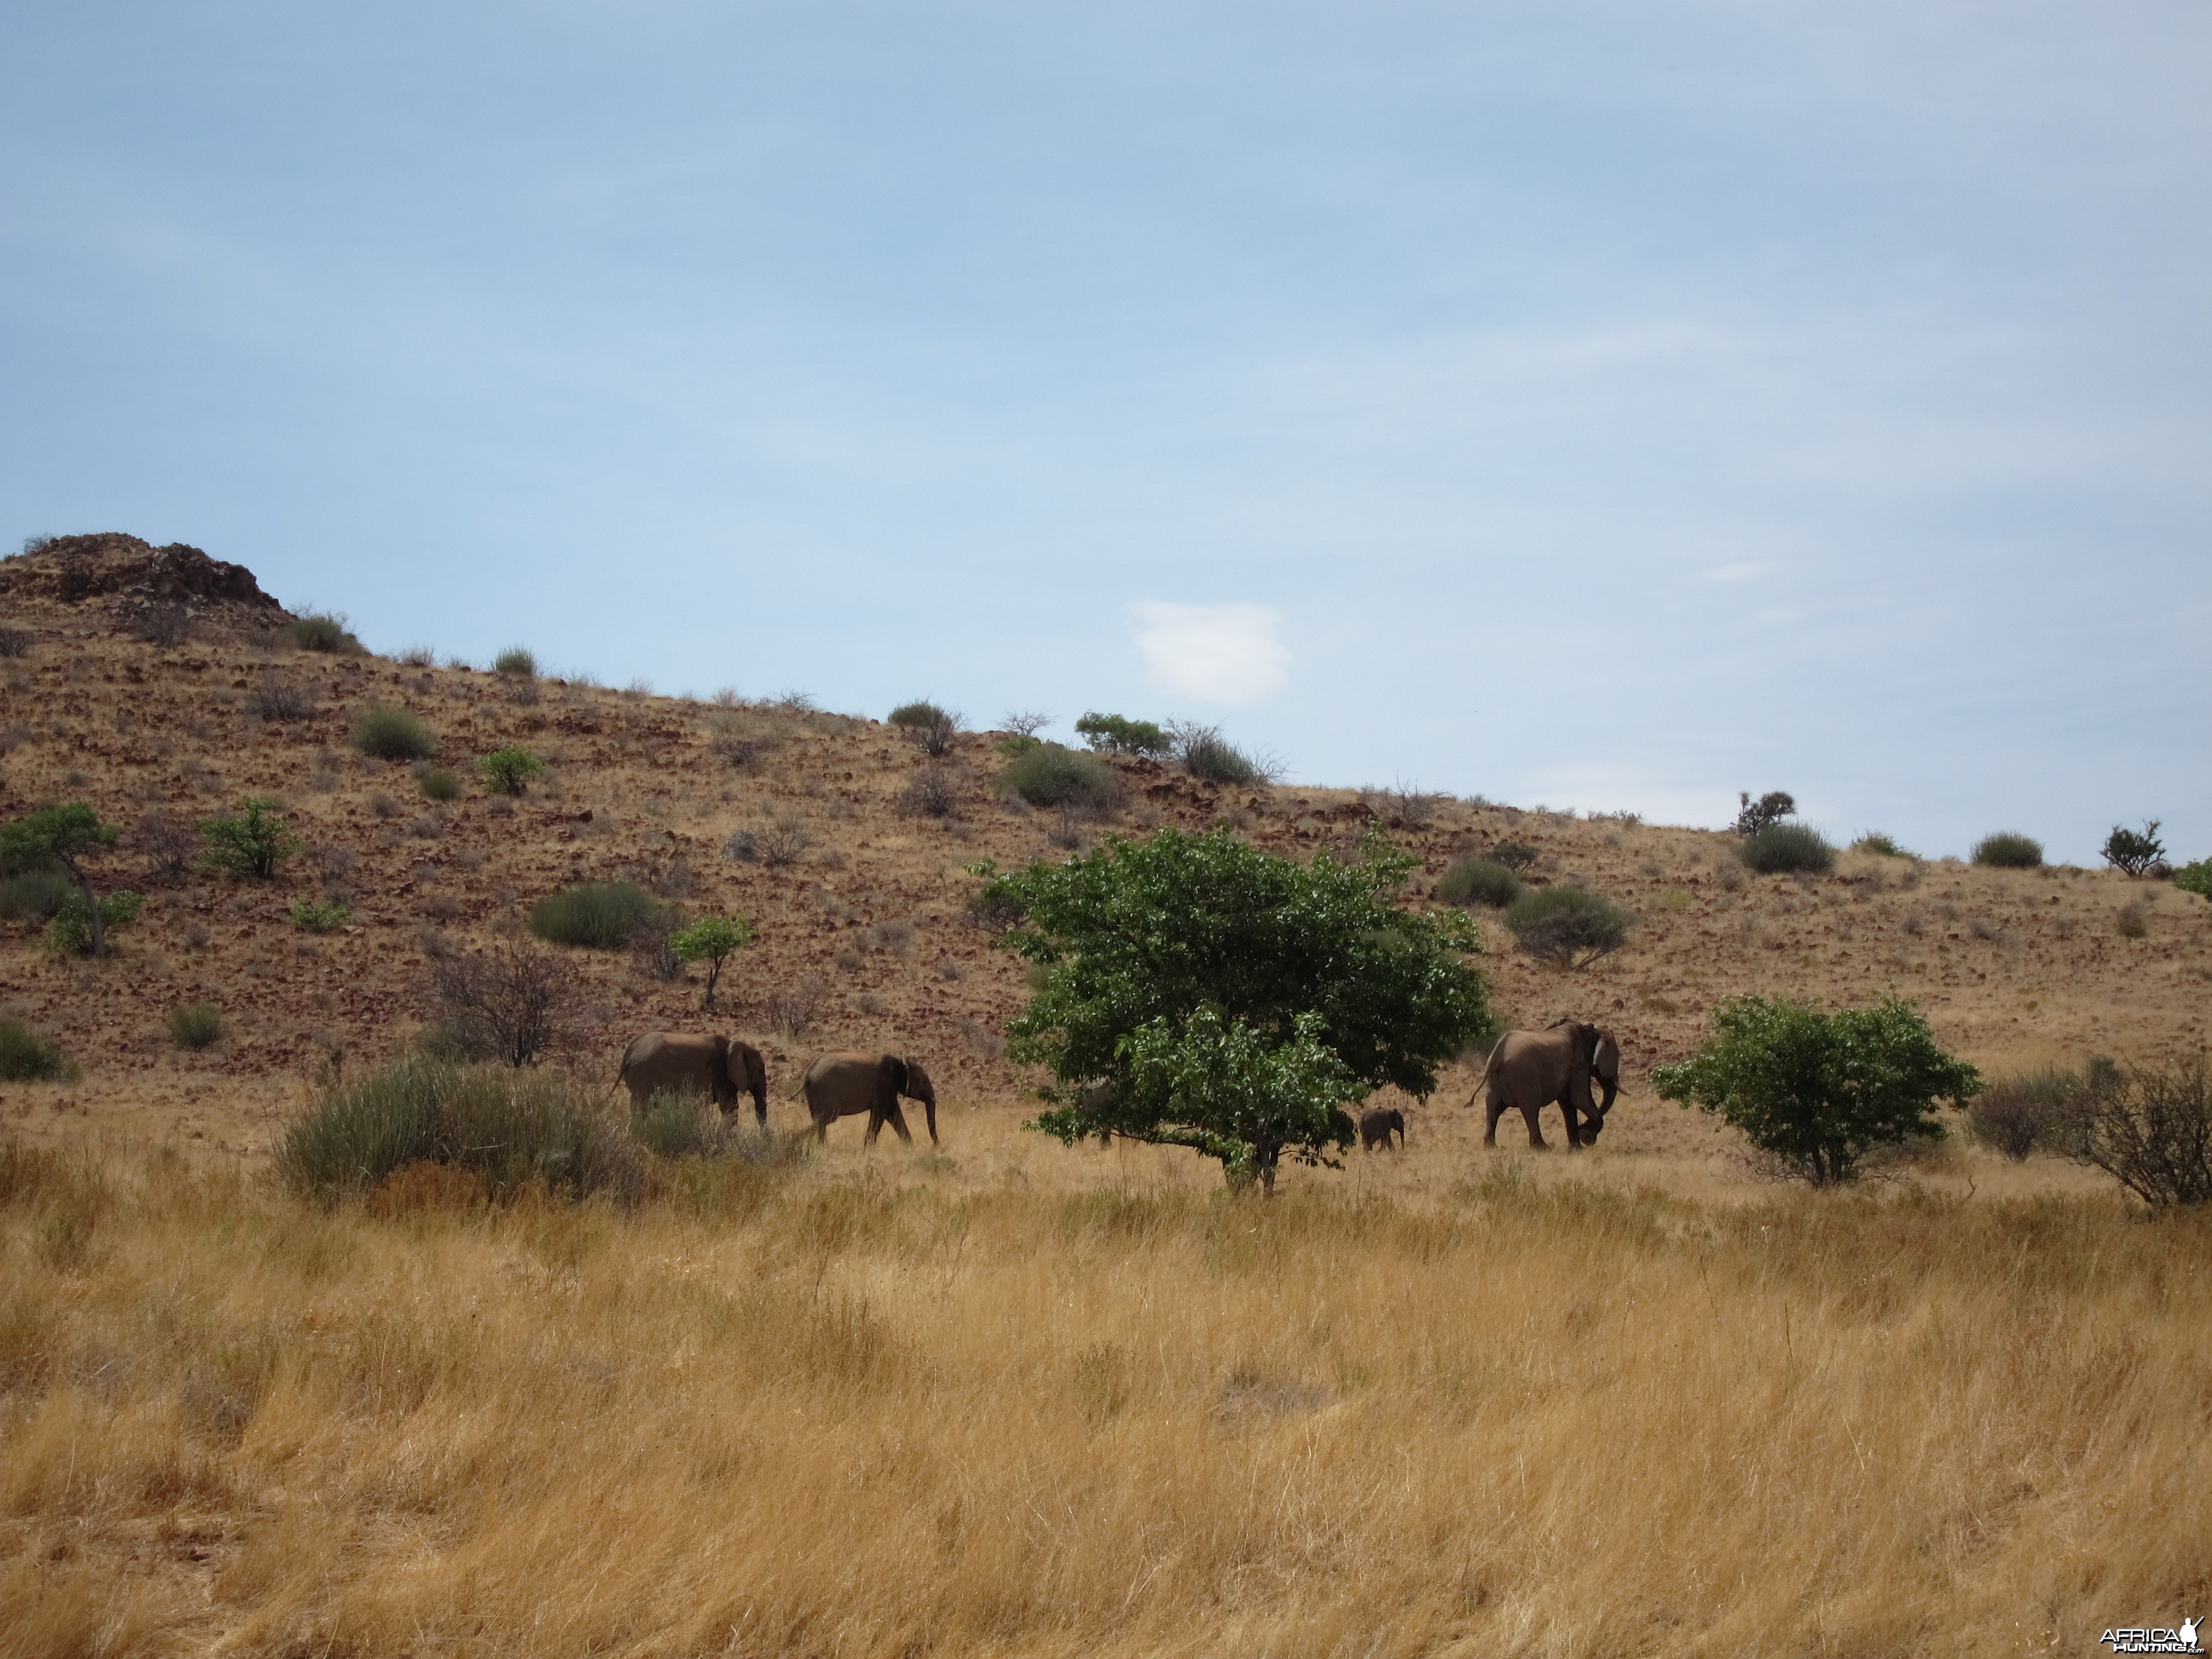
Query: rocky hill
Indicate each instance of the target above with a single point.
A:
(162, 687)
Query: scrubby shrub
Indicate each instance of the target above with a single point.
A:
(2133, 851)
(931, 794)
(2008, 849)
(515, 1129)
(1478, 881)
(35, 895)
(2149, 1128)
(254, 842)
(439, 783)
(318, 915)
(71, 928)
(1566, 926)
(15, 642)
(514, 1003)
(1203, 752)
(167, 844)
(1785, 848)
(195, 1025)
(781, 842)
(392, 734)
(2013, 1115)
(1514, 855)
(1770, 809)
(1119, 735)
(1050, 775)
(508, 771)
(276, 698)
(931, 727)
(321, 631)
(599, 915)
(1816, 1093)
(1880, 846)
(2195, 878)
(516, 663)
(27, 1057)
(2133, 921)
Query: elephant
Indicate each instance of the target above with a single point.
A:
(846, 1083)
(1375, 1125)
(1529, 1070)
(717, 1065)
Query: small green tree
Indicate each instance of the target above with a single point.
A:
(62, 838)
(78, 928)
(1118, 735)
(1815, 1092)
(711, 940)
(508, 771)
(1184, 976)
(2134, 851)
(1770, 809)
(253, 842)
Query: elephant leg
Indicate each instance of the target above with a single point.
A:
(1574, 1130)
(875, 1128)
(1535, 1129)
(896, 1119)
(821, 1131)
(1490, 1130)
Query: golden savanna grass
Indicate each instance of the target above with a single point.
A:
(856, 1409)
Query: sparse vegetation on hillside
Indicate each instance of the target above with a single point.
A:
(1878, 845)
(1203, 752)
(392, 733)
(26, 1056)
(439, 783)
(64, 841)
(322, 631)
(195, 1025)
(516, 662)
(1478, 881)
(1816, 1092)
(2134, 851)
(34, 896)
(1050, 775)
(2008, 849)
(74, 930)
(597, 915)
(932, 728)
(253, 842)
(1569, 927)
(1784, 848)
(312, 915)
(508, 771)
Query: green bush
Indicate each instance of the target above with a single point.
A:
(516, 1128)
(439, 783)
(516, 663)
(27, 1057)
(35, 895)
(318, 915)
(2008, 849)
(1121, 735)
(254, 842)
(1478, 881)
(321, 631)
(195, 1025)
(2135, 851)
(1815, 1093)
(392, 734)
(2015, 1115)
(919, 714)
(599, 915)
(2195, 878)
(1566, 926)
(1880, 846)
(508, 771)
(1788, 847)
(72, 929)
(1050, 775)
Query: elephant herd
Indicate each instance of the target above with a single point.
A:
(844, 1083)
(1527, 1071)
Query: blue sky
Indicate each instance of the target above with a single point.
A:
(1606, 406)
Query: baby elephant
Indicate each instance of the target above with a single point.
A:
(1375, 1125)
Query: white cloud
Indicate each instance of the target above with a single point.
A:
(1228, 653)
(1739, 573)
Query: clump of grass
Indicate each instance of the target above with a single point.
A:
(439, 783)
(597, 915)
(320, 631)
(2133, 921)
(516, 663)
(1051, 776)
(2008, 849)
(1472, 881)
(1788, 847)
(2015, 1115)
(516, 1128)
(26, 1056)
(1566, 926)
(682, 1123)
(318, 915)
(1203, 752)
(195, 1025)
(508, 771)
(34, 896)
(1880, 846)
(392, 734)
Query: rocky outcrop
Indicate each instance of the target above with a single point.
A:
(146, 590)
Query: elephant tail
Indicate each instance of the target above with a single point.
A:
(1489, 1069)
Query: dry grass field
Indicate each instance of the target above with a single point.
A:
(1006, 1397)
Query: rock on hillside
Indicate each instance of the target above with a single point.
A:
(134, 586)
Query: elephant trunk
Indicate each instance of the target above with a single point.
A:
(929, 1111)
(1612, 1088)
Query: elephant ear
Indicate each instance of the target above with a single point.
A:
(1606, 1057)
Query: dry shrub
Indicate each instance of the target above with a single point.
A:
(2149, 1128)
(792, 1010)
(931, 793)
(279, 698)
(779, 843)
(512, 1003)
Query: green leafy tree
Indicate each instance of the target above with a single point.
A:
(509, 770)
(1816, 1092)
(81, 930)
(2134, 851)
(1120, 735)
(711, 940)
(62, 838)
(1185, 977)
(253, 842)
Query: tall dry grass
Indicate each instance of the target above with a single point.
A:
(779, 1412)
